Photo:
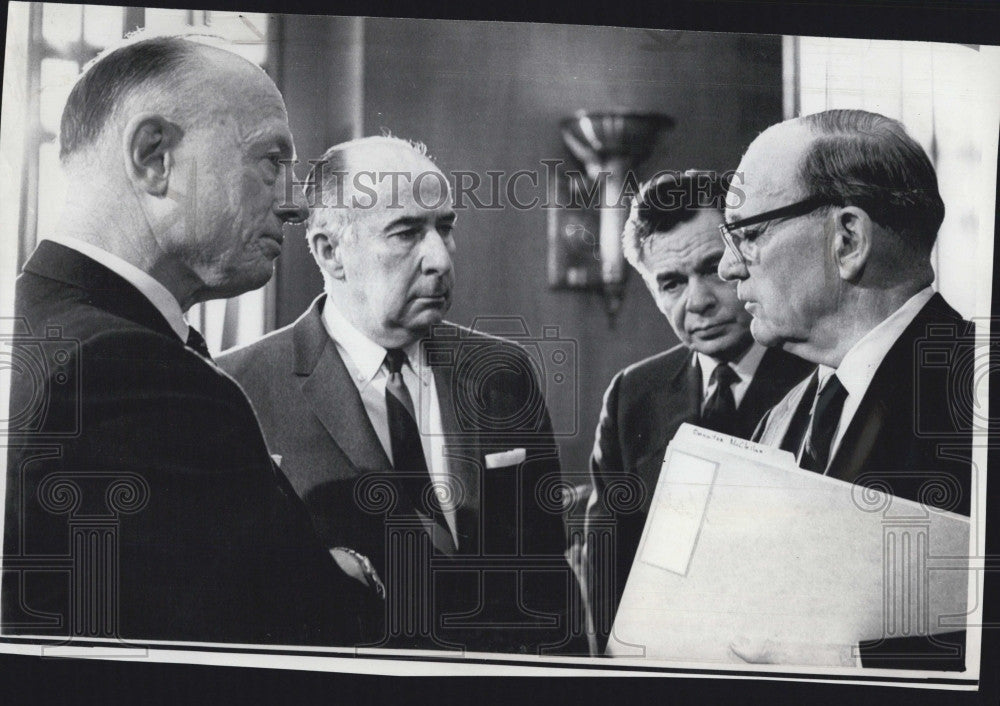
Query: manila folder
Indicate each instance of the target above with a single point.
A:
(741, 544)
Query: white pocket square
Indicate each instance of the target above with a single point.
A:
(277, 459)
(506, 458)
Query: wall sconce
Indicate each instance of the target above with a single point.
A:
(585, 249)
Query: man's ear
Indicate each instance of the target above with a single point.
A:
(852, 241)
(327, 249)
(149, 143)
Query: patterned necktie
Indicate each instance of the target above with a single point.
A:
(407, 451)
(829, 405)
(196, 342)
(720, 408)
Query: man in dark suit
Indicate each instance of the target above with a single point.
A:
(831, 246)
(141, 501)
(717, 377)
(423, 450)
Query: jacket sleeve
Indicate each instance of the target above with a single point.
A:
(606, 459)
(592, 569)
(210, 543)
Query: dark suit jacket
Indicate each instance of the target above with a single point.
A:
(912, 432)
(314, 418)
(643, 408)
(139, 482)
(912, 437)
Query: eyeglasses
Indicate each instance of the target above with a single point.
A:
(739, 244)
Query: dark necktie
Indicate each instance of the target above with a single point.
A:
(196, 342)
(829, 405)
(407, 451)
(719, 413)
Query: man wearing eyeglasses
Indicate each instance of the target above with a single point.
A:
(716, 377)
(831, 249)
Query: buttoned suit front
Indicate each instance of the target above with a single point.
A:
(643, 407)
(506, 588)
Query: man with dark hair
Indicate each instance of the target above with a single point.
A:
(141, 500)
(369, 392)
(831, 248)
(717, 377)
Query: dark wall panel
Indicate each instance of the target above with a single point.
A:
(319, 74)
(486, 96)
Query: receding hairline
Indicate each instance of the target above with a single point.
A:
(378, 154)
(790, 178)
(178, 91)
(381, 153)
(209, 64)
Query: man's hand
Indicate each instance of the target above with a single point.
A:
(359, 568)
(758, 651)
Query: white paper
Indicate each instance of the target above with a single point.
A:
(742, 546)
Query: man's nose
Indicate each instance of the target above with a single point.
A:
(291, 203)
(700, 296)
(732, 267)
(437, 250)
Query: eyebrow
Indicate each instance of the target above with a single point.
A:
(449, 218)
(704, 263)
(264, 139)
(284, 145)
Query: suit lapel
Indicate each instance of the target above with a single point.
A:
(679, 402)
(332, 394)
(685, 387)
(783, 426)
(862, 441)
(858, 444)
(102, 288)
(463, 448)
(777, 373)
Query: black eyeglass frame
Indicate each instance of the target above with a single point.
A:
(799, 208)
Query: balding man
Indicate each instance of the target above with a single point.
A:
(831, 248)
(141, 500)
(369, 391)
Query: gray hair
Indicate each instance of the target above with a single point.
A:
(142, 65)
(331, 175)
(867, 160)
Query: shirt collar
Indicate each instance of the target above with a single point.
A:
(745, 367)
(158, 295)
(858, 367)
(366, 356)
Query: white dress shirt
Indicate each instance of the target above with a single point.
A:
(858, 367)
(745, 368)
(365, 361)
(158, 295)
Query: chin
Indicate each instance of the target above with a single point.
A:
(727, 348)
(764, 335)
(238, 283)
(426, 318)
(259, 279)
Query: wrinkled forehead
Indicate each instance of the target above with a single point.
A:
(686, 247)
(769, 175)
